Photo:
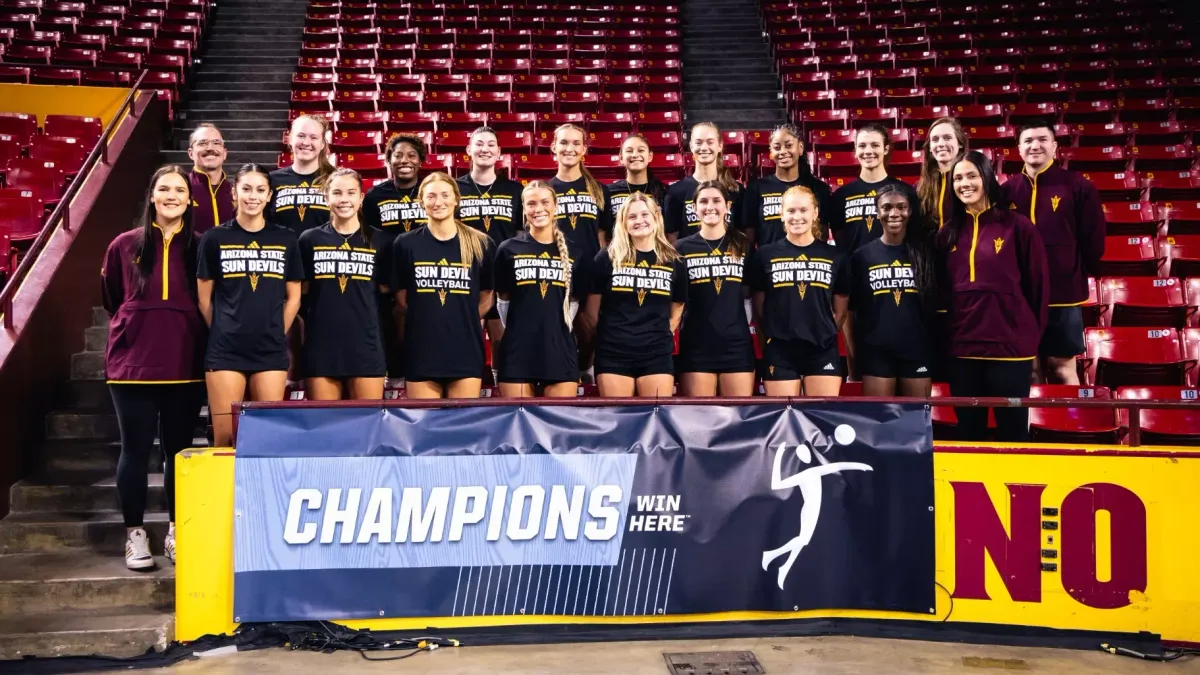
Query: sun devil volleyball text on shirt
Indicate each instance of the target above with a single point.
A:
(576, 205)
(643, 278)
(486, 208)
(238, 261)
(299, 197)
(801, 271)
(896, 278)
(442, 277)
(356, 263)
(540, 269)
(403, 212)
(859, 207)
(713, 267)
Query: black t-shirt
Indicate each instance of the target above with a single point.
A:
(619, 191)
(763, 206)
(886, 303)
(538, 343)
(715, 319)
(341, 319)
(443, 337)
(249, 271)
(799, 283)
(851, 213)
(492, 209)
(635, 309)
(392, 211)
(580, 218)
(680, 214)
(295, 203)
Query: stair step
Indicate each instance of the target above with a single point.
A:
(33, 495)
(95, 338)
(247, 105)
(45, 583)
(260, 94)
(71, 425)
(752, 97)
(237, 60)
(87, 365)
(118, 632)
(99, 316)
(100, 456)
(242, 118)
(87, 395)
(234, 161)
(61, 532)
(241, 80)
(252, 140)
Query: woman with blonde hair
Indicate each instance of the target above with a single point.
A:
(297, 191)
(681, 219)
(801, 295)
(441, 277)
(945, 144)
(538, 283)
(343, 347)
(639, 287)
(583, 202)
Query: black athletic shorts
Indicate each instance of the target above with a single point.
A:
(634, 366)
(793, 359)
(876, 362)
(1063, 337)
(725, 359)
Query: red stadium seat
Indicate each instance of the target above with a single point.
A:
(1132, 218)
(605, 142)
(489, 101)
(23, 213)
(988, 114)
(457, 120)
(922, 117)
(670, 167)
(367, 164)
(1110, 158)
(1166, 186)
(1095, 313)
(1122, 186)
(513, 121)
(311, 101)
(822, 119)
(409, 121)
(578, 102)
(1144, 301)
(61, 151)
(831, 164)
(1129, 356)
(43, 179)
(1110, 134)
(991, 137)
(1072, 425)
(669, 141)
(1181, 218)
(400, 101)
(14, 74)
(1159, 133)
(1130, 256)
(56, 76)
(357, 141)
(659, 121)
(1083, 112)
(21, 126)
(1181, 254)
(446, 82)
(1167, 158)
(811, 100)
(366, 101)
(832, 139)
(1180, 426)
(533, 167)
(610, 121)
(361, 121)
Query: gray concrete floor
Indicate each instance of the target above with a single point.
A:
(805, 656)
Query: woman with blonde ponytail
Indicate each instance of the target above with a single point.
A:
(298, 191)
(681, 219)
(442, 281)
(583, 203)
(538, 281)
(639, 287)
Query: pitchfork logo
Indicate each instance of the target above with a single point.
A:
(810, 483)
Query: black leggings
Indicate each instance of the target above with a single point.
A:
(982, 377)
(168, 411)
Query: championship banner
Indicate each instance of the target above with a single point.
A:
(569, 511)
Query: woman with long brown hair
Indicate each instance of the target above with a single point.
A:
(442, 282)
(154, 358)
(638, 292)
(679, 212)
(635, 157)
(539, 280)
(583, 210)
(945, 144)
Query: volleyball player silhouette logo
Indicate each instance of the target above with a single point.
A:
(810, 482)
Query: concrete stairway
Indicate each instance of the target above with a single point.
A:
(244, 80)
(728, 74)
(64, 588)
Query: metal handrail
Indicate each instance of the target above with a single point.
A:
(61, 213)
(1133, 405)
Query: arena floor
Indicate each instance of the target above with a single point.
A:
(807, 656)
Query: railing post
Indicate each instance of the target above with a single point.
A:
(104, 149)
(66, 218)
(1135, 426)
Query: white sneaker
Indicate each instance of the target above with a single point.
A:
(137, 551)
(169, 545)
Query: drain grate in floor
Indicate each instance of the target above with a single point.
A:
(713, 663)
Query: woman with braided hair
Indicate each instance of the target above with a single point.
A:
(538, 283)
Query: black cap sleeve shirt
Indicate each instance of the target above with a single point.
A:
(764, 205)
(635, 306)
(619, 192)
(852, 214)
(580, 218)
(887, 306)
(492, 209)
(295, 202)
(443, 337)
(715, 334)
(538, 344)
(341, 320)
(679, 214)
(249, 271)
(799, 283)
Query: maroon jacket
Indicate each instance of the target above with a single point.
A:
(998, 284)
(947, 200)
(1069, 215)
(156, 334)
(211, 205)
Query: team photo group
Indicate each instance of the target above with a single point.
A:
(232, 285)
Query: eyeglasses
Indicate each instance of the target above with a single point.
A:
(209, 144)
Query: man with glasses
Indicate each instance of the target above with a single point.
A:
(212, 192)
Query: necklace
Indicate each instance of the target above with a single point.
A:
(479, 192)
(712, 250)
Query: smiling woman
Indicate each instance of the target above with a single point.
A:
(298, 200)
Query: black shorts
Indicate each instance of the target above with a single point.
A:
(793, 359)
(1063, 337)
(634, 366)
(246, 364)
(536, 384)
(728, 359)
(876, 362)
